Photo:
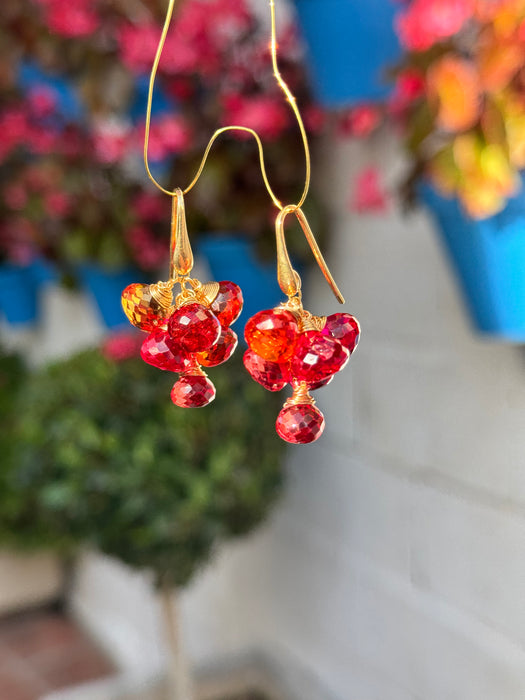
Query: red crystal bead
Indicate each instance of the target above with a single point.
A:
(193, 391)
(300, 424)
(194, 327)
(317, 357)
(227, 305)
(141, 308)
(272, 334)
(161, 351)
(268, 374)
(221, 351)
(344, 328)
(319, 385)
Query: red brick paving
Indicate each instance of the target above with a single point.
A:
(44, 651)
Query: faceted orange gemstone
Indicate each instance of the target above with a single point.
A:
(272, 334)
(221, 351)
(141, 308)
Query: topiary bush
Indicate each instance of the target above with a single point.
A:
(103, 457)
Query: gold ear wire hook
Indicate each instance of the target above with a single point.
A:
(289, 280)
(181, 256)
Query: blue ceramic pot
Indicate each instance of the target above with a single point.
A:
(105, 287)
(488, 257)
(233, 258)
(19, 290)
(350, 45)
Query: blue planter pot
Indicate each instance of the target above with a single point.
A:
(233, 258)
(488, 257)
(19, 291)
(350, 45)
(105, 287)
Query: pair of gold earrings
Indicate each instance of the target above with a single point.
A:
(189, 330)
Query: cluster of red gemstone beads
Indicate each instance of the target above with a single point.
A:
(183, 338)
(289, 346)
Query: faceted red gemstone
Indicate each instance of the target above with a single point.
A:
(319, 385)
(221, 351)
(227, 305)
(268, 374)
(317, 357)
(344, 328)
(300, 424)
(141, 308)
(272, 334)
(194, 327)
(193, 391)
(161, 351)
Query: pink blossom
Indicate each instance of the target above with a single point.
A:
(314, 118)
(41, 141)
(57, 204)
(122, 346)
(168, 135)
(148, 251)
(266, 115)
(425, 22)
(42, 101)
(409, 86)
(369, 194)
(71, 19)
(111, 140)
(148, 207)
(360, 121)
(14, 127)
(138, 44)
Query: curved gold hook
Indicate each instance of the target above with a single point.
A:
(181, 256)
(289, 280)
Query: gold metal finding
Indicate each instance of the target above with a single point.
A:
(300, 395)
(162, 292)
(289, 280)
(181, 256)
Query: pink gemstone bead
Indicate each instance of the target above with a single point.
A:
(194, 327)
(268, 374)
(317, 357)
(160, 351)
(344, 328)
(221, 351)
(300, 424)
(227, 305)
(193, 391)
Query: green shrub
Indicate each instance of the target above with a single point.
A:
(103, 457)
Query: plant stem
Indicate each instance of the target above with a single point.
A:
(179, 682)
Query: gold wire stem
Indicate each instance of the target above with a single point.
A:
(282, 84)
(289, 280)
(300, 395)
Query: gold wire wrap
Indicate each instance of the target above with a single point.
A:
(282, 84)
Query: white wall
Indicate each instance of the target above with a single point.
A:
(394, 568)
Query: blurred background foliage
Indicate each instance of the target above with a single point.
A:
(100, 457)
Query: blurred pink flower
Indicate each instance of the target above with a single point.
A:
(42, 101)
(425, 22)
(360, 121)
(369, 194)
(168, 134)
(111, 140)
(122, 346)
(14, 127)
(314, 118)
(57, 204)
(409, 86)
(145, 248)
(41, 140)
(266, 115)
(71, 18)
(149, 207)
